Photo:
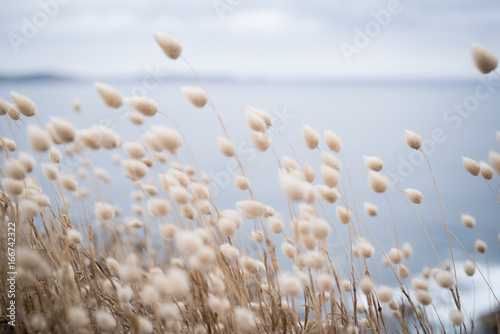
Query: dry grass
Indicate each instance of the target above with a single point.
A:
(77, 276)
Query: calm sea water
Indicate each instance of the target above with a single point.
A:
(369, 116)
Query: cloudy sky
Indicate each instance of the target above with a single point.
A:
(257, 38)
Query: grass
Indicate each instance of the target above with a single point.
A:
(114, 276)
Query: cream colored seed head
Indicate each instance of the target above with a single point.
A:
(472, 166)
(413, 140)
(311, 136)
(374, 163)
(469, 268)
(414, 195)
(481, 246)
(196, 96)
(168, 44)
(486, 170)
(378, 182)
(225, 146)
(144, 105)
(484, 59)
(370, 209)
(468, 221)
(333, 141)
(494, 158)
(261, 140)
(110, 95)
(24, 104)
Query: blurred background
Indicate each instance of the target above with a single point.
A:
(365, 70)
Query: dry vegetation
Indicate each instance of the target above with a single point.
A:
(77, 276)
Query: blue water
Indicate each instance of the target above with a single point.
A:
(369, 116)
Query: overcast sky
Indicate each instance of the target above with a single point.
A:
(281, 38)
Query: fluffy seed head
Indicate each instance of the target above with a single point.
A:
(374, 163)
(24, 104)
(13, 112)
(55, 155)
(50, 171)
(68, 182)
(134, 118)
(480, 246)
(288, 250)
(311, 136)
(109, 95)
(407, 250)
(245, 319)
(445, 279)
(74, 237)
(188, 242)
(320, 228)
(290, 284)
(105, 320)
(468, 221)
(241, 182)
(366, 285)
(12, 186)
(395, 255)
(423, 297)
(494, 158)
(255, 121)
(309, 172)
(484, 59)
(196, 96)
(261, 140)
(134, 150)
(15, 169)
(469, 268)
(63, 129)
(343, 214)
(158, 207)
(4, 106)
(250, 209)
(486, 170)
(472, 166)
(414, 195)
(27, 161)
(168, 44)
(229, 251)
(225, 146)
(169, 138)
(325, 282)
(276, 224)
(104, 211)
(378, 182)
(403, 271)
(370, 209)
(330, 176)
(330, 195)
(419, 284)
(134, 169)
(28, 208)
(144, 105)
(264, 115)
(384, 294)
(333, 141)
(413, 139)
(456, 317)
(38, 138)
(346, 285)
